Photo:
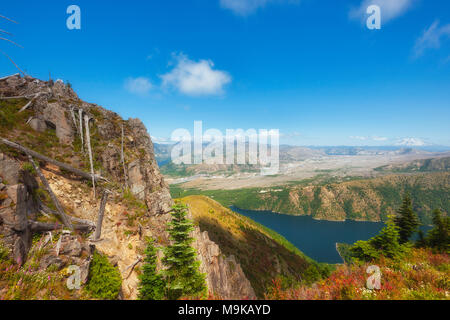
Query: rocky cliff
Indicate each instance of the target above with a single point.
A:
(47, 117)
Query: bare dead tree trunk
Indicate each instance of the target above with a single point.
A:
(88, 141)
(80, 115)
(39, 156)
(123, 162)
(101, 213)
(55, 200)
(72, 113)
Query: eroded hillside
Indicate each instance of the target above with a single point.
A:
(360, 199)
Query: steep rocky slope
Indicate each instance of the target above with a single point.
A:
(51, 125)
(262, 253)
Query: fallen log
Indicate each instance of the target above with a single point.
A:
(39, 227)
(39, 156)
(55, 200)
(17, 97)
(47, 210)
(10, 76)
(101, 213)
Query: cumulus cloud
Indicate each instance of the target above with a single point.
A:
(140, 85)
(196, 78)
(390, 9)
(431, 38)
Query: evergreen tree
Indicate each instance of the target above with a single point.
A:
(386, 243)
(182, 274)
(406, 220)
(151, 286)
(439, 236)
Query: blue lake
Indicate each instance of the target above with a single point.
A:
(316, 238)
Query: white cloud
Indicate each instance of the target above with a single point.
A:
(379, 138)
(371, 138)
(411, 142)
(390, 9)
(247, 7)
(243, 7)
(431, 38)
(196, 78)
(358, 138)
(140, 85)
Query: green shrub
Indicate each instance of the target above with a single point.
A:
(29, 167)
(105, 280)
(4, 253)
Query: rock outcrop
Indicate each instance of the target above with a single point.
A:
(225, 277)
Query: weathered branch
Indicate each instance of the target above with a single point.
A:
(132, 266)
(101, 213)
(39, 156)
(55, 200)
(29, 103)
(12, 61)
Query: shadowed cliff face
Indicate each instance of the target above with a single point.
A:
(51, 126)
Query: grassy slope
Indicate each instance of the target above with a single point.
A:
(262, 253)
(370, 199)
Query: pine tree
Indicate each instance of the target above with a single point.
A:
(182, 274)
(406, 220)
(151, 286)
(439, 237)
(388, 240)
(386, 243)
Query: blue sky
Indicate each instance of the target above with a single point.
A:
(310, 68)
